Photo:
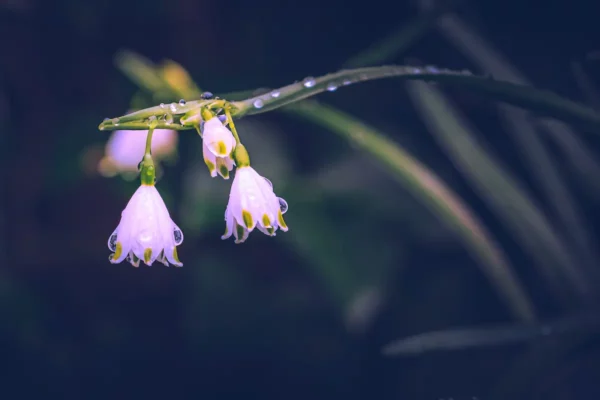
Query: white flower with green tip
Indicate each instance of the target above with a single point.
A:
(253, 204)
(218, 144)
(146, 231)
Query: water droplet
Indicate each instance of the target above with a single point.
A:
(112, 241)
(106, 119)
(182, 102)
(416, 70)
(162, 105)
(275, 94)
(432, 69)
(346, 82)
(258, 103)
(309, 82)
(222, 118)
(115, 121)
(332, 87)
(151, 118)
(283, 205)
(173, 107)
(207, 95)
(168, 119)
(269, 182)
(178, 236)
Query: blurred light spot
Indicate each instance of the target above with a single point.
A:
(125, 150)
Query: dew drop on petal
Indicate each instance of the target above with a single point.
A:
(275, 94)
(283, 205)
(258, 103)
(112, 241)
(178, 236)
(269, 182)
(207, 95)
(115, 121)
(347, 82)
(182, 102)
(173, 107)
(332, 87)
(309, 82)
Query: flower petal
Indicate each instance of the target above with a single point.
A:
(210, 160)
(218, 138)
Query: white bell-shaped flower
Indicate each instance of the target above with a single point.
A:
(252, 203)
(218, 144)
(146, 231)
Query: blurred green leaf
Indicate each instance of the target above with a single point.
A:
(169, 79)
(503, 192)
(465, 338)
(519, 125)
(140, 71)
(426, 186)
(397, 42)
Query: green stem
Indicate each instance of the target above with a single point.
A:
(148, 172)
(232, 127)
(149, 141)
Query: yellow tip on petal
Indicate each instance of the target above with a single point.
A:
(223, 171)
(281, 222)
(248, 220)
(266, 221)
(221, 148)
(211, 167)
(147, 255)
(118, 251)
(176, 257)
(240, 231)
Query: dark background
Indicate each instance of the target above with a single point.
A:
(274, 318)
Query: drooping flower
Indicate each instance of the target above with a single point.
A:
(125, 149)
(217, 147)
(146, 231)
(252, 203)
